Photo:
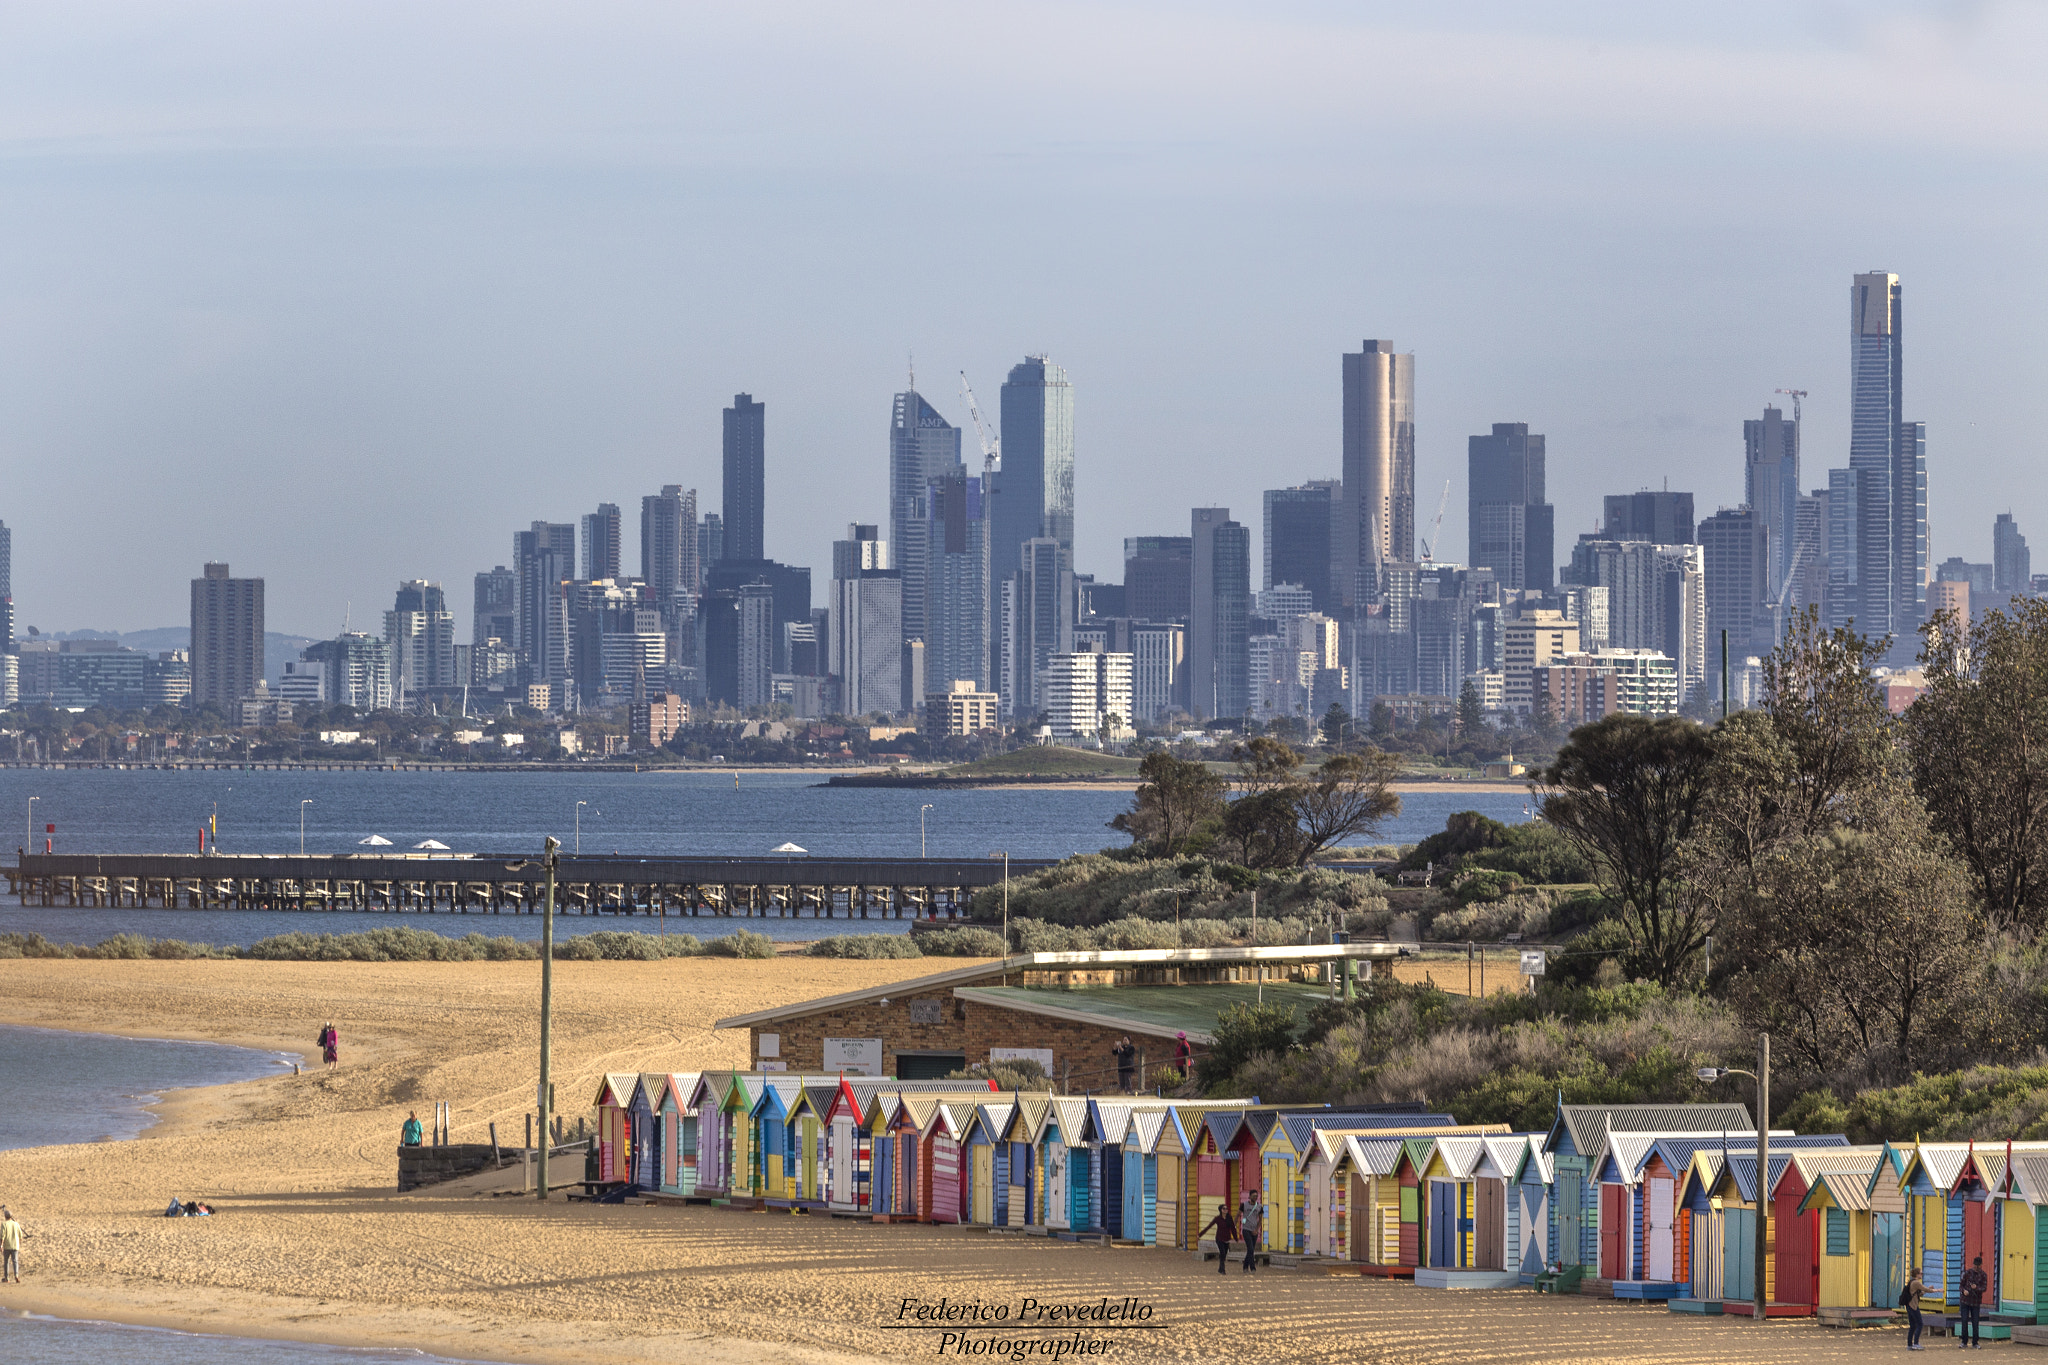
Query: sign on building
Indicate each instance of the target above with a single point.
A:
(1532, 962)
(854, 1056)
(770, 1045)
(930, 1011)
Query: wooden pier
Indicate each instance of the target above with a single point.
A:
(512, 884)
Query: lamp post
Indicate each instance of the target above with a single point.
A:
(1004, 854)
(579, 827)
(920, 831)
(302, 825)
(32, 822)
(1762, 1077)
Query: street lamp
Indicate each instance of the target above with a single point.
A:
(1762, 1077)
(579, 827)
(547, 999)
(32, 822)
(920, 830)
(302, 825)
(1004, 854)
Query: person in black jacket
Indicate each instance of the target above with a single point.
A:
(1974, 1284)
(1126, 1054)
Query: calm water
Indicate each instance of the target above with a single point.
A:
(54, 1341)
(701, 813)
(89, 1087)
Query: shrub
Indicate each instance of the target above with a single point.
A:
(865, 945)
(1017, 1074)
(742, 943)
(1097, 889)
(963, 941)
(1243, 1032)
(621, 945)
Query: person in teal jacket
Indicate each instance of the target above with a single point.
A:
(412, 1133)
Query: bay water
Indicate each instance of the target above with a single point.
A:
(59, 1341)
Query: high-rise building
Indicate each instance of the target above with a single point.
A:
(957, 635)
(865, 625)
(227, 636)
(924, 449)
(601, 536)
(419, 631)
(1035, 493)
(1735, 549)
(1656, 599)
(6, 589)
(1770, 483)
(710, 543)
(1297, 540)
(2012, 567)
(1042, 603)
(1158, 577)
(1219, 615)
(543, 558)
(670, 565)
(1877, 543)
(1159, 667)
(494, 613)
(746, 478)
(355, 670)
(1087, 692)
(1860, 583)
(1511, 527)
(1376, 523)
(1660, 517)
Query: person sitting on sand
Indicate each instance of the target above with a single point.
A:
(412, 1134)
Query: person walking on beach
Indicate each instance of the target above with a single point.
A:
(412, 1133)
(1126, 1054)
(1226, 1233)
(1916, 1289)
(1249, 1218)
(1973, 1285)
(330, 1045)
(10, 1247)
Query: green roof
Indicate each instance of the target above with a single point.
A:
(1162, 1010)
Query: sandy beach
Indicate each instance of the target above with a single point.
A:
(313, 1243)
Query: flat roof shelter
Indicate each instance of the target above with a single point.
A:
(1066, 1011)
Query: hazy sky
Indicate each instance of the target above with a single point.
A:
(346, 293)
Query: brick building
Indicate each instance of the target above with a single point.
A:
(1064, 1010)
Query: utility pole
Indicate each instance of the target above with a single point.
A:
(547, 1008)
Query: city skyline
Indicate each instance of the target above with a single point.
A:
(236, 297)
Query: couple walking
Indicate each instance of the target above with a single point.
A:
(1243, 1226)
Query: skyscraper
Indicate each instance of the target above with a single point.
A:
(1157, 577)
(1511, 528)
(1034, 492)
(864, 642)
(494, 611)
(6, 589)
(1656, 599)
(1219, 614)
(1377, 523)
(419, 631)
(924, 449)
(1770, 483)
(710, 543)
(746, 478)
(1297, 540)
(601, 535)
(543, 558)
(1041, 624)
(1735, 550)
(1877, 553)
(227, 636)
(958, 637)
(1660, 517)
(668, 545)
(2012, 567)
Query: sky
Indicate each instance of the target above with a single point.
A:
(345, 294)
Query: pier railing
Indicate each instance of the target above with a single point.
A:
(466, 884)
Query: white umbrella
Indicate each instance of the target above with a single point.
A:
(430, 843)
(376, 839)
(788, 848)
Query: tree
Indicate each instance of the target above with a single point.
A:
(1351, 795)
(1825, 705)
(1977, 739)
(1335, 725)
(1543, 720)
(1174, 799)
(1381, 718)
(1626, 791)
(1471, 712)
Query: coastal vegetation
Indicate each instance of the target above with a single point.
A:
(403, 943)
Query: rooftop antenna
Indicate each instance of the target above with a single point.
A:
(913, 372)
(1797, 394)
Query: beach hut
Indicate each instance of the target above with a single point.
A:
(1472, 1204)
(1142, 1184)
(1639, 1179)
(989, 1164)
(947, 1159)
(768, 1136)
(848, 1155)
(614, 1104)
(2023, 1242)
(804, 1143)
(679, 1135)
(1577, 1144)
(1860, 1220)
(1287, 1149)
(1065, 1155)
(1023, 1206)
(643, 1117)
(1366, 1199)
(1538, 1174)
(707, 1098)
(1109, 1123)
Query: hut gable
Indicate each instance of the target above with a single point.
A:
(616, 1089)
(1583, 1129)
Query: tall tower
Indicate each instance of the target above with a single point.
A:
(746, 462)
(924, 449)
(1770, 482)
(1379, 466)
(668, 544)
(601, 536)
(1035, 490)
(1511, 528)
(227, 636)
(1218, 613)
(1891, 561)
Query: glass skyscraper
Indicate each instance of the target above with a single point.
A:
(924, 449)
(1035, 491)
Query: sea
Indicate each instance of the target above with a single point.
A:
(63, 1087)
(716, 813)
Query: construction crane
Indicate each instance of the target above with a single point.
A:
(1797, 394)
(991, 448)
(1436, 528)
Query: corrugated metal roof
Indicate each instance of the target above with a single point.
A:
(1112, 1120)
(681, 1086)
(1458, 1154)
(1844, 1188)
(1374, 1156)
(1590, 1124)
(2030, 1176)
(1262, 1123)
(1072, 1113)
(654, 1084)
(994, 1119)
(1223, 1125)
(1541, 1168)
(1147, 1124)
(710, 1085)
(617, 1088)
(1510, 1154)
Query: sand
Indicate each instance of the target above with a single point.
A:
(312, 1242)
